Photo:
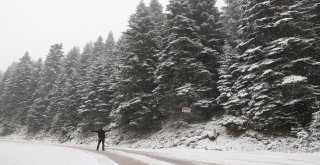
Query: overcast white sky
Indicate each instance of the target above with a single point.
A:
(35, 25)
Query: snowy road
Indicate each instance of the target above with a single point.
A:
(23, 153)
(14, 153)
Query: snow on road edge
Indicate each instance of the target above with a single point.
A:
(239, 157)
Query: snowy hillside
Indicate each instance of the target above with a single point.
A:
(204, 136)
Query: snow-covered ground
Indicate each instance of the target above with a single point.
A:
(24, 153)
(15, 153)
(29, 153)
(177, 142)
(183, 136)
(195, 136)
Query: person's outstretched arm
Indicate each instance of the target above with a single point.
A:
(107, 130)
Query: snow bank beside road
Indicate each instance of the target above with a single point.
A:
(196, 136)
(36, 154)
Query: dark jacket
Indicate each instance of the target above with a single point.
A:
(101, 133)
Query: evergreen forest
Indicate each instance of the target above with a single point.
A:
(255, 64)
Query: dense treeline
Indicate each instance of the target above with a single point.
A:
(256, 66)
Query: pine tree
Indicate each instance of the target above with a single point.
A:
(109, 45)
(52, 67)
(5, 82)
(86, 59)
(34, 117)
(310, 16)
(188, 64)
(24, 82)
(43, 107)
(7, 126)
(160, 29)
(117, 96)
(1, 75)
(272, 90)
(231, 21)
(228, 64)
(93, 111)
(111, 61)
(135, 100)
(98, 50)
(66, 118)
(37, 77)
(18, 90)
(111, 69)
(315, 124)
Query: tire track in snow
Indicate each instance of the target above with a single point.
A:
(116, 157)
(129, 157)
(143, 158)
(160, 157)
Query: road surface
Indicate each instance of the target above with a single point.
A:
(24, 153)
(135, 157)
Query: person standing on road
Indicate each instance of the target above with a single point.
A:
(102, 137)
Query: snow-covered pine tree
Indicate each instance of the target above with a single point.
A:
(86, 59)
(110, 45)
(111, 61)
(7, 98)
(188, 64)
(52, 67)
(5, 78)
(1, 75)
(18, 91)
(93, 111)
(7, 127)
(230, 19)
(111, 71)
(66, 117)
(117, 97)
(315, 126)
(227, 63)
(278, 68)
(310, 11)
(160, 30)
(98, 50)
(108, 77)
(34, 116)
(47, 93)
(135, 101)
(37, 77)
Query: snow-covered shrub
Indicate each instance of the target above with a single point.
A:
(315, 126)
(206, 109)
(180, 124)
(6, 129)
(235, 125)
(135, 114)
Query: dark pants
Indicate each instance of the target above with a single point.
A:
(100, 141)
